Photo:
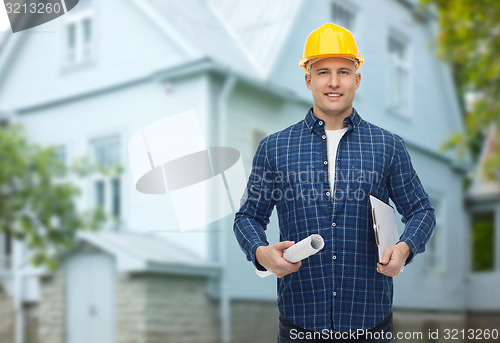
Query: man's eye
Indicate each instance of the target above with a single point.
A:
(322, 72)
(344, 72)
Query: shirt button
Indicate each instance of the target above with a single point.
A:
(325, 162)
(334, 257)
(334, 294)
(324, 136)
(320, 123)
(334, 224)
(327, 194)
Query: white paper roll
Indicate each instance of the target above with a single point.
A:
(299, 251)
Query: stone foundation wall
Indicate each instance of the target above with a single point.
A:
(481, 322)
(254, 321)
(157, 308)
(52, 308)
(130, 309)
(425, 326)
(31, 325)
(7, 318)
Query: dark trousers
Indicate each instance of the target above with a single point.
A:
(291, 333)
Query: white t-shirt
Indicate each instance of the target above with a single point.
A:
(333, 139)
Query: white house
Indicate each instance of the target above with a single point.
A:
(86, 82)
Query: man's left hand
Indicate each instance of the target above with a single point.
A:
(394, 259)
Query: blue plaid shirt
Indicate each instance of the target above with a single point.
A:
(339, 288)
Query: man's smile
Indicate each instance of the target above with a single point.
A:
(333, 95)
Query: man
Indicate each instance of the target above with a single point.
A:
(319, 173)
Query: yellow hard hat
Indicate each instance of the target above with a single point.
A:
(330, 40)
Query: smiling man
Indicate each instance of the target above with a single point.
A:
(318, 174)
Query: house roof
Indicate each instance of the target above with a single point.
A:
(137, 252)
(244, 36)
(201, 27)
(259, 26)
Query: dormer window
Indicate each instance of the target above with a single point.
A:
(79, 35)
(399, 83)
(344, 15)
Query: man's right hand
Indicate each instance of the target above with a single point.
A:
(271, 258)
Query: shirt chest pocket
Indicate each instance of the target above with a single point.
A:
(367, 173)
(303, 186)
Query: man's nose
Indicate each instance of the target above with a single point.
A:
(333, 80)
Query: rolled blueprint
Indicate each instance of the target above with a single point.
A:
(299, 251)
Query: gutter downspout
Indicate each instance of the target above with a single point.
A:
(225, 305)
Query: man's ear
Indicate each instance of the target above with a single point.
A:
(358, 80)
(307, 78)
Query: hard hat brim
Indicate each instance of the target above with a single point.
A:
(304, 61)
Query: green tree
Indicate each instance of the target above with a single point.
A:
(469, 39)
(37, 202)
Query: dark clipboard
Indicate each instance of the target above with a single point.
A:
(384, 224)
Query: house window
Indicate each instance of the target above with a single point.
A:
(343, 16)
(79, 31)
(107, 185)
(257, 136)
(435, 248)
(115, 192)
(6, 251)
(60, 153)
(399, 73)
(483, 241)
(99, 190)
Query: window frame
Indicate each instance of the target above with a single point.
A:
(258, 135)
(6, 251)
(495, 210)
(436, 248)
(351, 9)
(394, 103)
(107, 181)
(77, 18)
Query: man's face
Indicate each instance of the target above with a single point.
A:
(333, 83)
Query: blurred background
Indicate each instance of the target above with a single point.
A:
(86, 257)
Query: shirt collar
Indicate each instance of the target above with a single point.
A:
(352, 122)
